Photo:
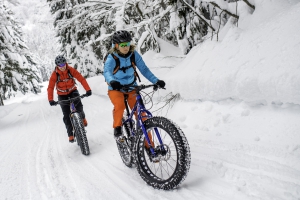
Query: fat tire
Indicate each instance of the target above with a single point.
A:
(80, 134)
(182, 151)
(127, 159)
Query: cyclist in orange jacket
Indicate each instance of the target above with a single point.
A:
(63, 78)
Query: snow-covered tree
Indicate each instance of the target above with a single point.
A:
(75, 31)
(184, 23)
(85, 26)
(38, 33)
(18, 70)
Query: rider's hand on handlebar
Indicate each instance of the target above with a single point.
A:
(161, 83)
(88, 93)
(52, 103)
(116, 85)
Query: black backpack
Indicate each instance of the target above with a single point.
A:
(117, 67)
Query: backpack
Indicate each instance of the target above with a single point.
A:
(69, 74)
(65, 80)
(117, 67)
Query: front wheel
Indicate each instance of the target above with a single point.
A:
(80, 134)
(171, 163)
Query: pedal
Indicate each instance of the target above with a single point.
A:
(120, 139)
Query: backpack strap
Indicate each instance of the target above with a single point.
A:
(117, 67)
(132, 60)
(58, 76)
(70, 75)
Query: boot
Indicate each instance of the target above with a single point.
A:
(71, 139)
(85, 122)
(118, 134)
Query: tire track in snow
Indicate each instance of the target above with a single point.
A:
(249, 171)
(52, 172)
(61, 169)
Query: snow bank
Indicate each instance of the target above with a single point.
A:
(262, 66)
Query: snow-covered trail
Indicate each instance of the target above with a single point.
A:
(231, 157)
(253, 149)
(37, 162)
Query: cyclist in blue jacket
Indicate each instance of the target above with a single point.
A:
(120, 54)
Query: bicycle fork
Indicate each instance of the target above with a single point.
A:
(141, 110)
(142, 115)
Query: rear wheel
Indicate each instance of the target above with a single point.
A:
(126, 148)
(80, 134)
(168, 168)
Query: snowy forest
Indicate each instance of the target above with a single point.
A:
(232, 74)
(83, 29)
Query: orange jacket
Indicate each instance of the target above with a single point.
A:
(66, 84)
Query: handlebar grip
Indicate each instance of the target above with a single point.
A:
(155, 87)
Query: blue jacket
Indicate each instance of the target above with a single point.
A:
(127, 77)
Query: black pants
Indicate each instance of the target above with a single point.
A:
(65, 107)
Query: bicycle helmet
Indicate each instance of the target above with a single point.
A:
(121, 36)
(60, 60)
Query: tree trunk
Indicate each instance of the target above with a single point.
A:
(1, 101)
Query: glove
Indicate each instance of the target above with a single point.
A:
(52, 103)
(161, 83)
(116, 85)
(88, 93)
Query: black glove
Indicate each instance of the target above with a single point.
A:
(161, 83)
(88, 93)
(52, 103)
(116, 85)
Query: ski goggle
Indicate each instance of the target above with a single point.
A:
(124, 44)
(62, 64)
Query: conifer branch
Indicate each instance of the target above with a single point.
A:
(201, 18)
(226, 11)
(138, 9)
(250, 5)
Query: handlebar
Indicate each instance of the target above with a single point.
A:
(141, 87)
(71, 99)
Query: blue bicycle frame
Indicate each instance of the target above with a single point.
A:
(72, 107)
(140, 108)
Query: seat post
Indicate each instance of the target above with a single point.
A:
(126, 104)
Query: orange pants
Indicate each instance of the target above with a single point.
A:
(117, 99)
